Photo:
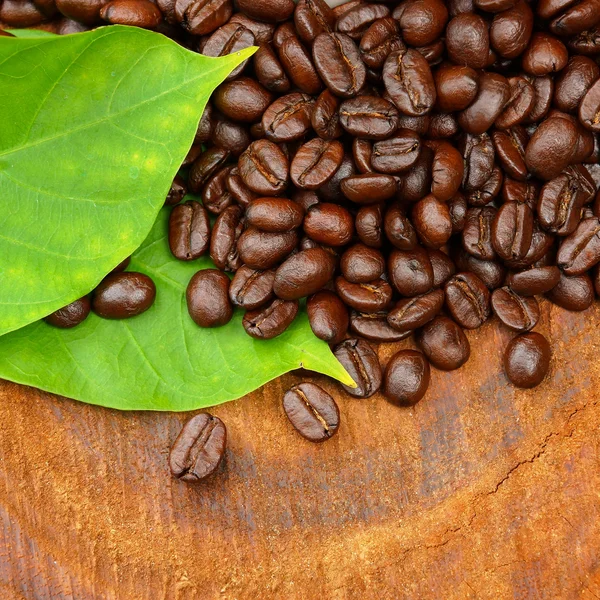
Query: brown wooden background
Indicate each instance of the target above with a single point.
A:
(481, 491)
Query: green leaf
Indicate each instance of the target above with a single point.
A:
(93, 128)
(159, 360)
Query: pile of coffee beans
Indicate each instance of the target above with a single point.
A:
(405, 167)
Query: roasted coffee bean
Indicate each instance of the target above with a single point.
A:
(123, 295)
(264, 168)
(442, 126)
(580, 251)
(488, 191)
(138, 13)
(208, 298)
(311, 18)
(521, 191)
(198, 449)
(442, 265)
(575, 292)
(305, 198)
(519, 104)
(193, 154)
(338, 62)
(369, 117)
(251, 288)
(492, 97)
(587, 42)
(361, 264)
(362, 364)
(398, 228)
(468, 300)
(573, 83)
(432, 221)
(418, 124)
(329, 224)
(87, 12)
(288, 118)
(468, 40)
(492, 273)
(201, 17)
(270, 11)
(544, 55)
(527, 360)
(328, 316)
(510, 150)
(410, 313)
(230, 136)
(410, 271)
(242, 99)
(544, 91)
(71, 315)
(456, 87)
(416, 183)
(364, 297)
(409, 82)
(379, 41)
(224, 238)
(270, 320)
(541, 244)
(406, 378)
(369, 188)
(281, 33)
(229, 38)
(444, 344)
(447, 171)
(511, 30)
(303, 274)
(396, 154)
(215, 195)
(298, 66)
(177, 192)
(512, 230)
(369, 225)
(423, 21)
(239, 191)
(263, 32)
(589, 109)
(276, 215)
(269, 71)
(457, 205)
(517, 312)
(189, 231)
(315, 163)
(576, 19)
(478, 153)
(325, 117)
(374, 327)
(534, 281)
(355, 21)
(332, 190)
(477, 233)
(262, 250)
(312, 411)
(206, 165)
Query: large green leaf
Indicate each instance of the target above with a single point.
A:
(159, 360)
(93, 128)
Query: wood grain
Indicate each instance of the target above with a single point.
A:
(480, 491)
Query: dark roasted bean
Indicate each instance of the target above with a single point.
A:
(206, 165)
(458, 212)
(534, 281)
(303, 274)
(574, 292)
(512, 230)
(580, 251)
(215, 195)
(325, 118)
(396, 154)
(488, 191)
(468, 300)
(416, 183)
(477, 233)
(468, 40)
(447, 171)
(544, 55)
(589, 109)
(527, 360)
(230, 136)
(369, 117)
(242, 99)
(355, 21)
(398, 228)
(478, 153)
(423, 21)
(251, 288)
(573, 82)
(271, 320)
(328, 316)
(362, 364)
(456, 87)
(379, 41)
(239, 191)
(511, 30)
(444, 344)
(71, 315)
(411, 313)
(276, 215)
(332, 190)
(123, 295)
(329, 224)
(410, 271)
(432, 221)
(263, 32)
(369, 225)
(298, 66)
(492, 273)
(270, 11)
(177, 192)
(442, 126)
(516, 312)
(311, 18)
(369, 188)
(228, 39)
(264, 168)
(189, 231)
(262, 250)
(364, 297)
(288, 118)
(519, 104)
(406, 378)
(269, 71)
(510, 150)
(208, 298)
(374, 327)
(138, 13)
(315, 163)
(361, 264)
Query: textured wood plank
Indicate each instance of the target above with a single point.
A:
(480, 491)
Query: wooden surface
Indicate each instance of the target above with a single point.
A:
(481, 491)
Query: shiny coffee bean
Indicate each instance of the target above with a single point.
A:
(468, 40)
(396, 154)
(137, 13)
(364, 297)
(423, 21)
(325, 117)
(512, 230)
(224, 239)
(589, 109)
(263, 250)
(269, 70)
(544, 55)
(375, 327)
(416, 183)
(573, 83)
(264, 168)
(355, 21)
(478, 153)
(239, 191)
(315, 163)
(362, 364)
(177, 192)
(205, 166)
(511, 29)
(189, 231)
(534, 281)
(575, 292)
(215, 195)
(311, 18)
(411, 313)
(447, 171)
(231, 37)
(432, 221)
(242, 99)
(329, 224)
(288, 118)
(510, 149)
(442, 265)
(410, 271)
(491, 272)
(379, 41)
(406, 378)
(369, 188)
(303, 274)
(517, 312)
(230, 136)
(457, 205)
(580, 251)
(123, 295)
(276, 215)
(328, 316)
(519, 104)
(312, 411)
(71, 315)
(298, 65)
(361, 264)
(456, 87)
(369, 225)
(251, 288)
(270, 320)
(398, 228)
(208, 298)
(271, 11)
(369, 117)
(468, 300)
(488, 191)
(198, 449)
(442, 126)
(477, 232)
(332, 190)
(444, 344)
(527, 360)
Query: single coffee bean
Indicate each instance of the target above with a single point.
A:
(406, 378)
(398, 228)
(478, 153)
(239, 191)
(589, 109)
(442, 265)
(224, 239)
(432, 221)
(251, 288)
(396, 154)
(575, 292)
(329, 224)
(87, 12)
(369, 225)
(242, 99)
(418, 124)
(275, 215)
(468, 40)
(544, 55)
(576, 19)
(512, 231)
(177, 192)
(369, 188)
(488, 191)
(527, 360)
(456, 87)
(356, 20)
(269, 70)
(288, 118)
(298, 65)
(468, 300)
(71, 315)
(364, 297)
(316, 162)
(231, 37)
(442, 126)
(338, 62)
(411, 313)
(311, 18)
(477, 233)
(189, 231)
(447, 171)
(361, 264)
(270, 320)
(205, 166)
(519, 104)
(517, 312)
(305, 198)
(379, 41)
(409, 82)
(138, 13)
(325, 117)
(206, 125)
(573, 83)
(423, 21)
(374, 327)
(532, 282)
(457, 205)
(510, 149)
(511, 30)
(580, 251)
(263, 250)
(271, 11)
(362, 364)
(230, 136)
(208, 298)
(491, 272)
(312, 411)
(332, 190)
(215, 195)
(303, 274)
(369, 117)
(410, 271)
(264, 168)
(123, 295)
(444, 344)
(328, 316)
(198, 449)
